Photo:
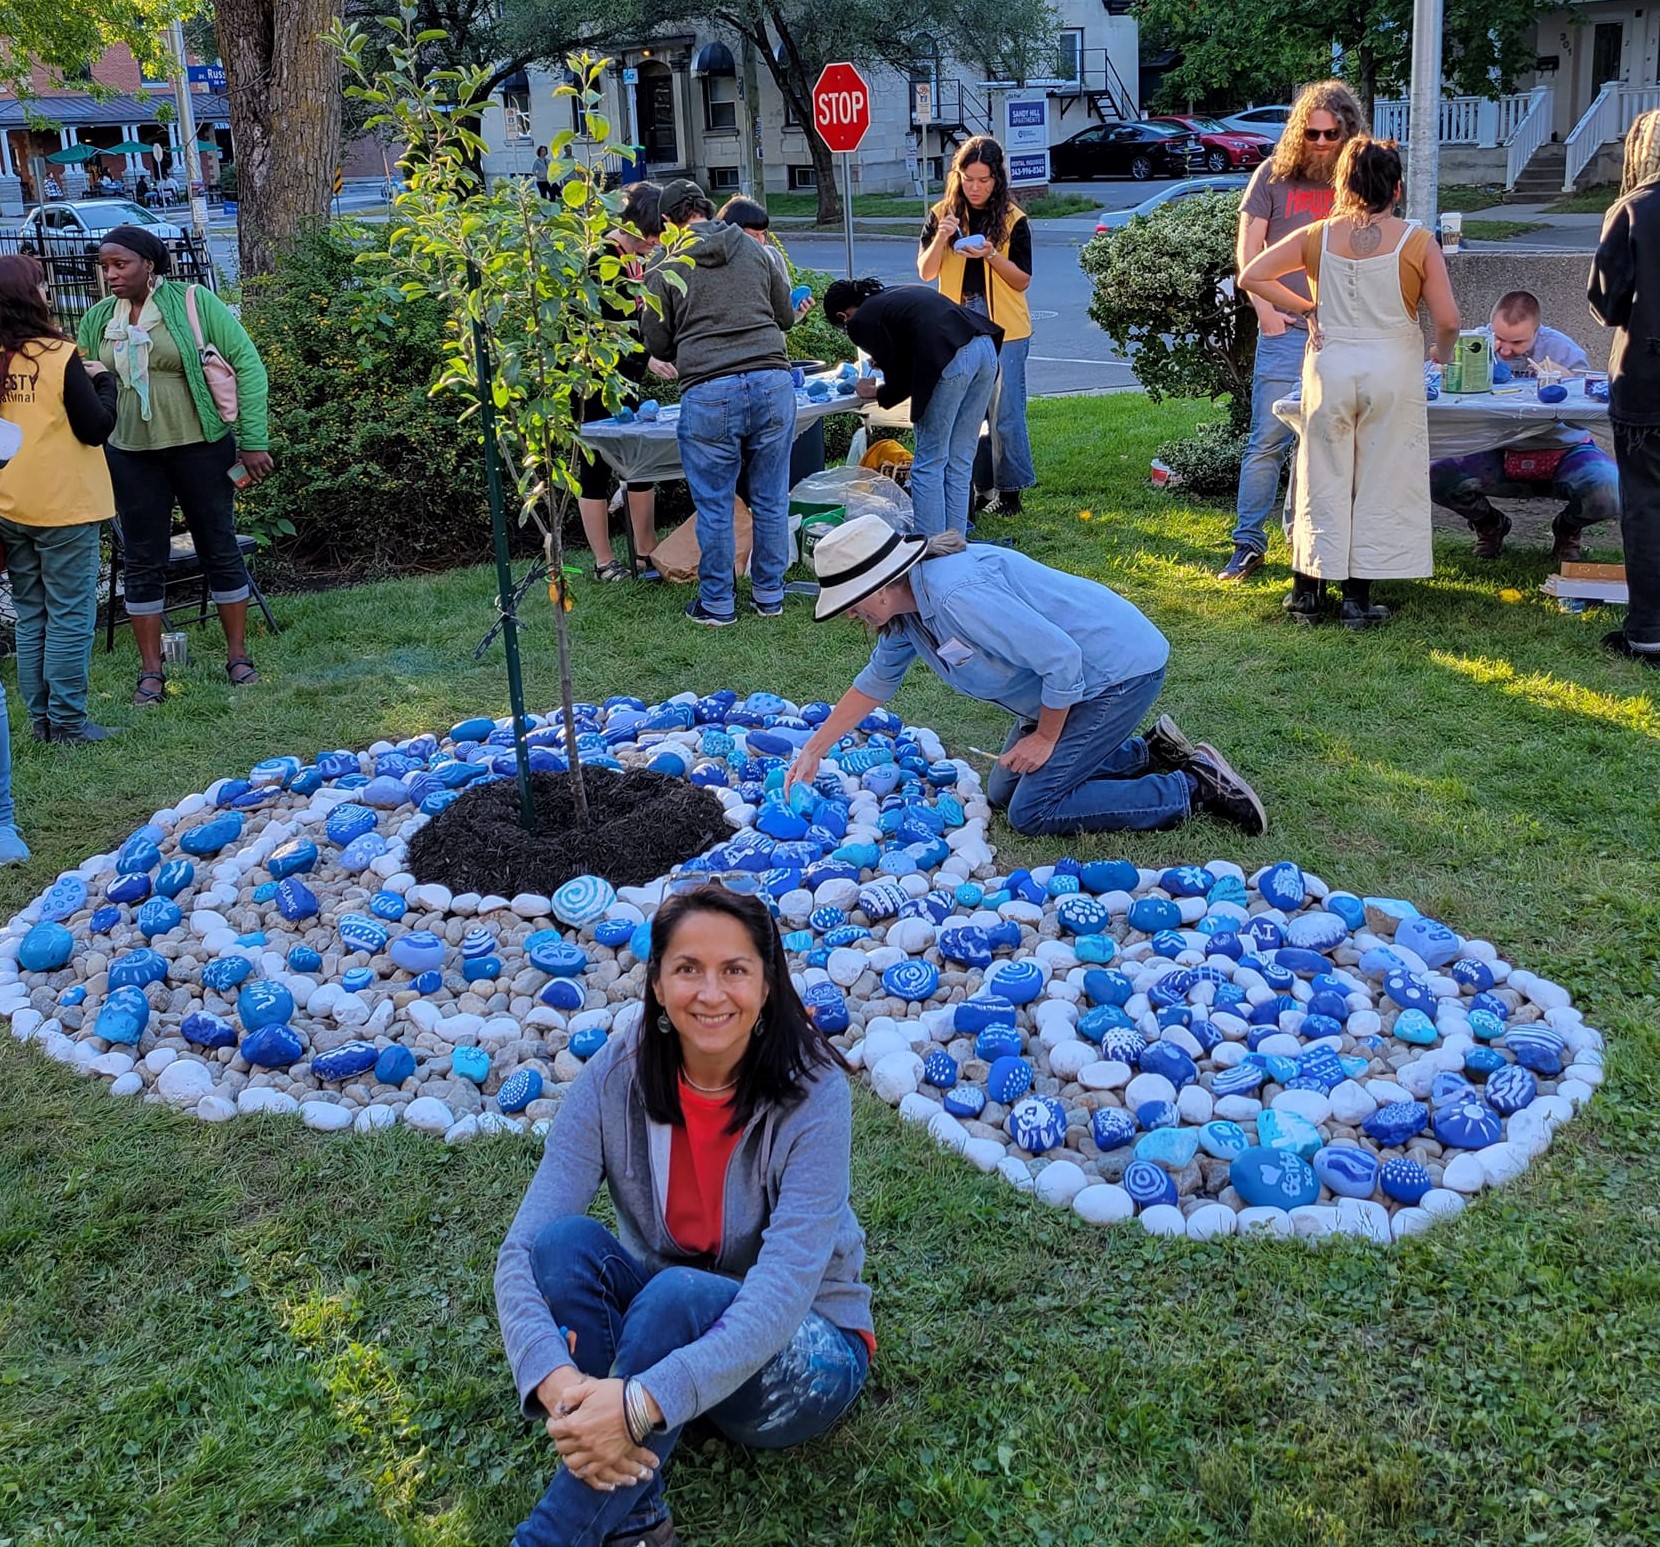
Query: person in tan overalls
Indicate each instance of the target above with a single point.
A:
(1362, 509)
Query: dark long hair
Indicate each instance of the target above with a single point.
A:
(786, 1048)
(981, 150)
(25, 318)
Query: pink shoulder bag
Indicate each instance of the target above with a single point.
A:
(220, 373)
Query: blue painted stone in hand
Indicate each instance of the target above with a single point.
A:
(46, 947)
(1149, 1184)
(1395, 1122)
(272, 1047)
(123, 1016)
(1347, 1170)
(1404, 1180)
(1111, 1128)
(345, 1062)
(207, 1030)
(1273, 1178)
(1037, 1123)
(1009, 1079)
(1510, 1088)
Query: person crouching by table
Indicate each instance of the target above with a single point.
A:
(941, 356)
(720, 322)
(1624, 292)
(1076, 664)
(721, 1126)
(1562, 459)
(1361, 511)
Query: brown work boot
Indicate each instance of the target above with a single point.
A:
(1490, 536)
(1567, 548)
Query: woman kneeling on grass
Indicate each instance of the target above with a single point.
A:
(721, 1127)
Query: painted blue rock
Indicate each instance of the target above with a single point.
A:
(1320, 931)
(388, 906)
(828, 1007)
(1334, 1007)
(1300, 962)
(64, 898)
(585, 1043)
(1322, 1069)
(913, 980)
(797, 940)
(1167, 1145)
(1511, 1088)
(882, 900)
(1094, 949)
(1430, 939)
(613, 934)
(174, 877)
(1347, 1170)
(826, 919)
(1415, 1027)
(1112, 1128)
(1109, 875)
(1491, 1003)
(518, 1090)
(263, 1003)
(548, 952)
(1472, 974)
(273, 1047)
(1169, 1060)
(348, 821)
(975, 1014)
(939, 1069)
(359, 932)
(966, 945)
(1282, 886)
(1037, 1123)
(128, 888)
(1187, 881)
(998, 1042)
(1108, 986)
(475, 729)
(1119, 1044)
(304, 958)
(1482, 1061)
(1261, 935)
(1537, 1048)
(1404, 1179)
(582, 901)
(394, 1065)
(294, 858)
(1409, 991)
(137, 968)
(846, 934)
(1241, 1080)
(207, 1030)
(345, 1062)
(1151, 914)
(74, 995)
(224, 973)
(1020, 982)
(355, 979)
(1223, 1140)
(473, 1063)
(970, 894)
(1467, 1123)
(560, 994)
(123, 1016)
(158, 916)
(1485, 1025)
(361, 853)
(46, 947)
(137, 857)
(296, 901)
(1395, 1122)
(482, 969)
(1082, 915)
(384, 793)
(965, 1101)
(103, 920)
(1288, 1131)
(1273, 1178)
(418, 951)
(208, 838)
(1149, 1184)
(1009, 1079)
(478, 941)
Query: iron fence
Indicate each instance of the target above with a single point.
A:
(73, 275)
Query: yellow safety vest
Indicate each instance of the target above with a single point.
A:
(55, 479)
(1006, 305)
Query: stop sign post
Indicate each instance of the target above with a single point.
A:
(841, 115)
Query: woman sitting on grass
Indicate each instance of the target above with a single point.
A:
(721, 1127)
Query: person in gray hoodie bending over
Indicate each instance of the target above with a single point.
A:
(721, 1126)
(721, 324)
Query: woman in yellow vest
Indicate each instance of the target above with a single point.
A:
(54, 497)
(978, 244)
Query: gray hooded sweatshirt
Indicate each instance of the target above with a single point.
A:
(788, 1231)
(731, 316)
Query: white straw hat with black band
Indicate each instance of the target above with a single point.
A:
(857, 559)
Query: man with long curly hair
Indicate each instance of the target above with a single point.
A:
(1286, 193)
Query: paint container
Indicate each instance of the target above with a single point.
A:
(175, 649)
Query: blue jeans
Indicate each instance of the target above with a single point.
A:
(54, 575)
(1004, 459)
(725, 424)
(1279, 371)
(942, 472)
(1096, 779)
(624, 1323)
(8, 809)
(1586, 479)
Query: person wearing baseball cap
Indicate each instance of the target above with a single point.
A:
(1076, 664)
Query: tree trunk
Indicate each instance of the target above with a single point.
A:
(285, 118)
(790, 76)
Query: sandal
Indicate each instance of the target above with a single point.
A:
(644, 564)
(249, 673)
(148, 698)
(615, 570)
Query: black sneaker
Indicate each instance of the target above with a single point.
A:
(660, 1535)
(1167, 743)
(1649, 655)
(1006, 502)
(1244, 563)
(82, 734)
(40, 730)
(696, 611)
(767, 609)
(1223, 793)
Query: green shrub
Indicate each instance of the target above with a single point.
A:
(1207, 462)
(373, 474)
(813, 338)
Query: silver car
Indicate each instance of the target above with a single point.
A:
(1226, 182)
(1266, 121)
(62, 226)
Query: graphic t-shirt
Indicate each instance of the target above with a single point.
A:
(1287, 206)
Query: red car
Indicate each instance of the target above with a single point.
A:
(1225, 148)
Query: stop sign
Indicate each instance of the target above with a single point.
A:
(841, 107)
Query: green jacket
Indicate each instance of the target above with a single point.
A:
(221, 329)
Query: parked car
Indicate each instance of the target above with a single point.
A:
(1224, 148)
(1226, 182)
(1266, 121)
(1138, 150)
(64, 227)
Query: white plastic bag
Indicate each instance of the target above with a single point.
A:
(861, 490)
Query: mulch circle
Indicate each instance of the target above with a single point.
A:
(641, 824)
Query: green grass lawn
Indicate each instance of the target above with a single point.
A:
(1499, 230)
(1586, 201)
(254, 1334)
(1046, 207)
(1464, 197)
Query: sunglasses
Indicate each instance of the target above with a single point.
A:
(1311, 135)
(746, 883)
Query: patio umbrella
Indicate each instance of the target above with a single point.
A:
(130, 148)
(74, 153)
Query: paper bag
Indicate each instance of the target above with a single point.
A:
(676, 556)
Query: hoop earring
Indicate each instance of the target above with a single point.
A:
(664, 1024)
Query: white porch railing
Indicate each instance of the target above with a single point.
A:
(1461, 120)
(1529, 132)
(1610, 114)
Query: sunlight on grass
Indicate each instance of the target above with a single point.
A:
(1550, 692)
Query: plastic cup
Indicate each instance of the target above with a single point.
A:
(1452, 231)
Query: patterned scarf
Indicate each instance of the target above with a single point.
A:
(131, 344)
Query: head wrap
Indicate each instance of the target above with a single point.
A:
(142, 244)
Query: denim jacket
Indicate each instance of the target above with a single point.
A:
(1001, 627)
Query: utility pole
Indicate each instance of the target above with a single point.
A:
(187, 124)
(1424, 129)
(753, 185)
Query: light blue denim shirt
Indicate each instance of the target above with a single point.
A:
(1001, 627)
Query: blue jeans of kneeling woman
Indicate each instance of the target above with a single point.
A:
(1098, 778)
(624, 1323)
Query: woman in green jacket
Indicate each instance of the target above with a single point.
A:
(170, 446)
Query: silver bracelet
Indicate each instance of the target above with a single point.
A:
(636, 1414)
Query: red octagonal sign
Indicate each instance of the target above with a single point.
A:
(841, 107)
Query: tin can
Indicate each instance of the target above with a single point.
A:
(175, 649)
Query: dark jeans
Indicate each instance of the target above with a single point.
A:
(594, 477)
(1637, 451)
(624, 1323)
(1585, 480)
(147, 486)
(1097, 778)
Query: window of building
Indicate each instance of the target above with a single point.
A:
(791, 119)
(720, 102)
(1071, 64)
(723, 180)
(803, 179)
